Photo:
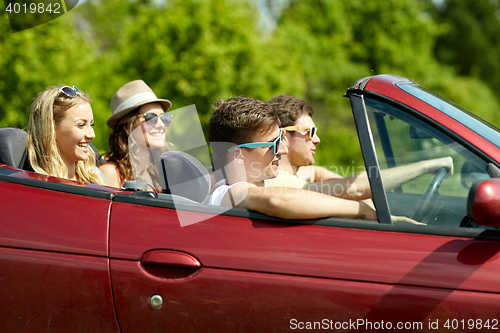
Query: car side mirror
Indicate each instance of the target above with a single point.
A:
(483, 203)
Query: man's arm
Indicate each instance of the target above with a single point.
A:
(357, 186)
(292, 203)
(313, 173)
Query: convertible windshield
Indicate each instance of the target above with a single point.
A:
(466, 118)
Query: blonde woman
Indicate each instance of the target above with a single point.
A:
(139, 125)
(60, 131)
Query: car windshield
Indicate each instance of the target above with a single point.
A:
(402, 139)
(466, 118)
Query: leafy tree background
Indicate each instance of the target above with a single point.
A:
(198, 51)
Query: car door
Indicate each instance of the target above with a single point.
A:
(54, 267)
(237, 270)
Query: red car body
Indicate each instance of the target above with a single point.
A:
(78, 257)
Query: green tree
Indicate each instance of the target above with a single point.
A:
(339, 42)
(316, 32)
(36, 58)
(56, 52)
(195, 52)
(470, 41)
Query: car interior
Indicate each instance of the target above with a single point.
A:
(400, 139)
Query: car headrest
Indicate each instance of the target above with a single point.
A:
(13, 147)
(182, 174)
(99, 159)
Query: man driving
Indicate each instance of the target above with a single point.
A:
(297, 170)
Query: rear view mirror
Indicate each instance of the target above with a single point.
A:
(471, 173)
(417, 133)
(483, 203)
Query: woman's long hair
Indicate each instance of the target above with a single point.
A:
(119, 154)
(46, 112)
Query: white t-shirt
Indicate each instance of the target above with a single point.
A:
(219, 193)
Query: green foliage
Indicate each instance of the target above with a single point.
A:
(36, 58)
(339, 42)
(469, 40)
(57, 52)
(391, 36)
(317, 33)
(198, 51)
(192, 52)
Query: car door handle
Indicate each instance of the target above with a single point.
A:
(171, 259)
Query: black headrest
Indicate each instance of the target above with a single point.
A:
(182, 174)
(99, 160)
(13, 147)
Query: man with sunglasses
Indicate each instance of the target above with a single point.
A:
(301, 136)
(297, 169)
(247, 147)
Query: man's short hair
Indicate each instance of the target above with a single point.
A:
(237, 120)
(290, 108)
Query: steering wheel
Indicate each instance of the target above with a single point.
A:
(432, 190)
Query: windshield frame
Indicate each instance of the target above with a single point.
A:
(475, 123)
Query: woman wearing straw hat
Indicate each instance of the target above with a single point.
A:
(139, 125)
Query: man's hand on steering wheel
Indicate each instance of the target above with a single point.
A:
(438, 163)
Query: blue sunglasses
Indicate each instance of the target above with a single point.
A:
(276, 144)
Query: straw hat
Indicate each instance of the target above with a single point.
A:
(131, 96)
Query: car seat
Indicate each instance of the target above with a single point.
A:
(183, 175)
(13, 147)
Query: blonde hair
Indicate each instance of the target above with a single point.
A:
(46, 112)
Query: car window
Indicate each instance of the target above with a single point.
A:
(400, 139)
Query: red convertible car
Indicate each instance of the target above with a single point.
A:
(77, 257)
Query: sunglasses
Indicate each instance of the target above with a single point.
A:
(70, 92)
(276, 144)
(151, 119)
(312, 130)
